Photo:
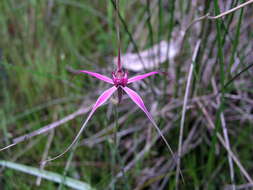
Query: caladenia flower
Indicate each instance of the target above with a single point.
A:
(120, 82)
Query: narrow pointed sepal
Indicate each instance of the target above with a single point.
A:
(100, 101)
(140, 77)
(139, 102)
(98, 76)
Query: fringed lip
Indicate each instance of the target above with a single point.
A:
(120, 78)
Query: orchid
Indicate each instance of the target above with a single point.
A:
(120, 82)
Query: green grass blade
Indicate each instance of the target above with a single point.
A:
(51, 176)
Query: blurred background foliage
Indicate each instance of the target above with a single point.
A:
(43, 42)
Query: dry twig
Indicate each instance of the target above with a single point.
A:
(184, 108)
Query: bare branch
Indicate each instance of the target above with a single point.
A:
(207, 16)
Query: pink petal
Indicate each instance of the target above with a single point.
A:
(139, 102)
(99, 76)
(140, 77)
(103, 98)
(100, 101)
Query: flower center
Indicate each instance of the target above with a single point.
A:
(120, 78)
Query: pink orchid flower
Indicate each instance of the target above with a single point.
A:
(120, 81)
